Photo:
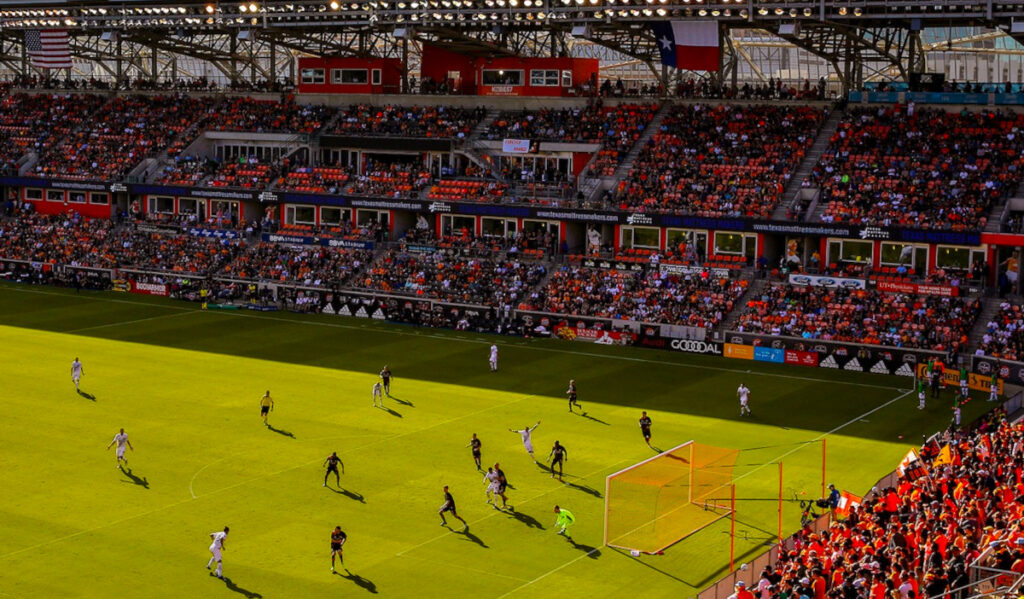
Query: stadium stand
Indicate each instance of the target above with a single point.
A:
(268, 116)
(699, 300)
(862, 316)
(917, 539)
(34, 123)
(719, 160)
(489, 282)
(1004, 333)
(120, 135)
(408, 121)
(928, 169)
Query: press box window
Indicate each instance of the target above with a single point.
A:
(348, 76)
(544, 78)
(314, 76)
(502, 77)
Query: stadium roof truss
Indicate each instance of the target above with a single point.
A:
(847, 42)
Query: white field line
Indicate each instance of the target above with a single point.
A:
(488, 342)
(124, 322)
(773, 461)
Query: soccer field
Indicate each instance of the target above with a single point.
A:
(186, 384)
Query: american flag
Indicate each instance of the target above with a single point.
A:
(48, 48)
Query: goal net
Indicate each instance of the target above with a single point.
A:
(664, 499)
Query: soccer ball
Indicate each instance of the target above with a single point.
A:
(634, 553)
(743, 567)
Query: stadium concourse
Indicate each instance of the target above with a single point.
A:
(763, 220)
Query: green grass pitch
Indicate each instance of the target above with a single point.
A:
(185, 384)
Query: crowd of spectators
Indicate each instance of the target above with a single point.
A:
(917, 539)
(719, 160)
(120, 135)
(408, 121)
(191, 84)
(1004, 334)
(268, 116)
(392, 180)
(920, 167)
(317, 179)
(438, 275)
(74, 241)
(468, 190)
(862, 316)
(33, 123)
(696, 299)
(248, 172)
(615, 128)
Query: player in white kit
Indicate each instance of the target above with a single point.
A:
(744, 394)
(494, 358)
(493, 484)
(527, 442)
(964, 392)
(993, 391)
(216, 547)
(76, 372)
(121, 439)
(378, 394)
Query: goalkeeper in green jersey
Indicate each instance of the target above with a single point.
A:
(564, 521)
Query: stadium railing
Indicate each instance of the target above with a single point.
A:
(749, 572)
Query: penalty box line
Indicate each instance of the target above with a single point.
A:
(522, 345)
(775, 460)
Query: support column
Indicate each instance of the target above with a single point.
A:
(120, 62)
(153, 63)
(405, 65)
(233, 62)
(273, 64)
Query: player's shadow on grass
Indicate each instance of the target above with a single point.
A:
(390, 411)
(280, 431)
(402, 401)
(527, 520)
(86, 395)
(471, 537)
(365, 583)
(142, 482)
(585, 488)
(591, 552)
(237, 589)
(350, 494)
(598, 420)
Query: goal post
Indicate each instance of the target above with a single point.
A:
(662, 500)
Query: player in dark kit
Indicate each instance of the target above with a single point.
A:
(332, 462)
(449, 506)
(338, 539)
(571, 392)
(557, 456)
(645, 427)
(385, 377)
(475, 444)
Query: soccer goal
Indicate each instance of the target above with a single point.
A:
(662, 500)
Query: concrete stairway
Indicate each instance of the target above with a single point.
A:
(796, 181)
(989, 307)
(753, 290)
(653, 127)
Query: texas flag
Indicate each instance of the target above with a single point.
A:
(688, 45)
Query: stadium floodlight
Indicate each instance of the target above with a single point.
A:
(664, 499)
